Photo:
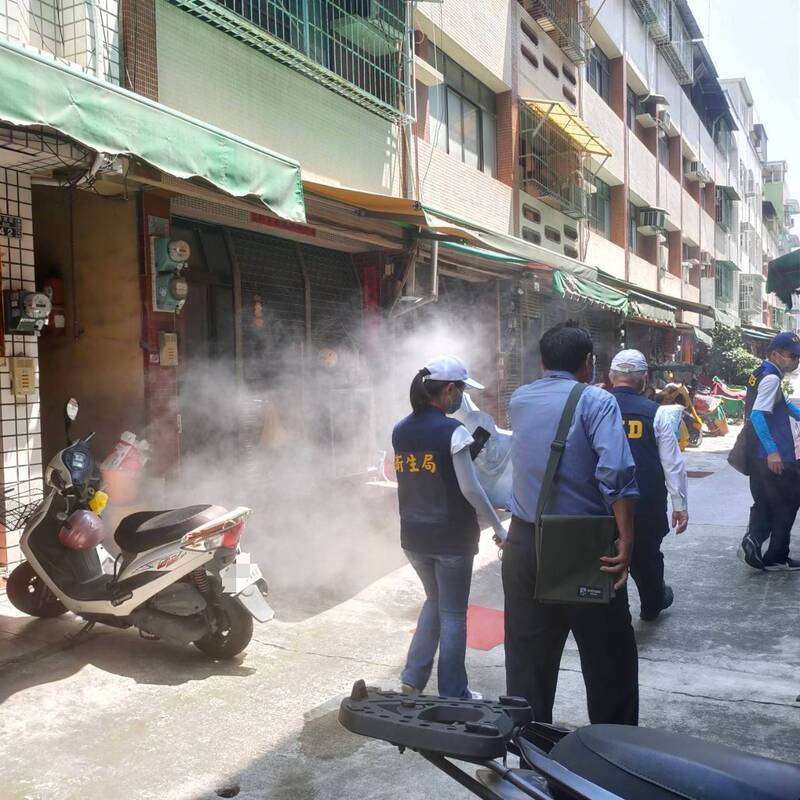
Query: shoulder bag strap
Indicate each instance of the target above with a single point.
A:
(557, 448)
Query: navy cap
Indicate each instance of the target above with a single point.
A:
(786, 340)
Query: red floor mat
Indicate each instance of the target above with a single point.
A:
(485, 628)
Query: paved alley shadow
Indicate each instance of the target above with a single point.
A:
(36, 652)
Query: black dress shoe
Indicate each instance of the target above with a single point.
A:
(667, 601)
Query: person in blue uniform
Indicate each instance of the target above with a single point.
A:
(774, 472)
(440, 501)
(596, 477)
(660, 471)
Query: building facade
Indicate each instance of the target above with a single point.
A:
(352, 177)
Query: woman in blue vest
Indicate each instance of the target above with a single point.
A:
(440, 499)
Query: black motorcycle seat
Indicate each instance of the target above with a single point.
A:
(145, 530)
(651, 764)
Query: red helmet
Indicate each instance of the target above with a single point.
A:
(82, 531)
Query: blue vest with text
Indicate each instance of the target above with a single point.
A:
(778, 421)
(638, 416)
(435, 517)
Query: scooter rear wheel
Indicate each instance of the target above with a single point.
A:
(29, 594)
(233, 634)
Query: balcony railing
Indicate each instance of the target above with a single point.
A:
(560, 19)
(551, 164)
(354, 47)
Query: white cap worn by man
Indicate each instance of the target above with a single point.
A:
(660, 470)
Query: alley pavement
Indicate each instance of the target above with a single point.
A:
(114, 716)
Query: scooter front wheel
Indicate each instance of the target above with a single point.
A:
(233, 633)
(29, 594)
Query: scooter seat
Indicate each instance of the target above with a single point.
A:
(650, 764)
(145, 530)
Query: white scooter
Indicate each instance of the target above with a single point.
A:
(180, 575)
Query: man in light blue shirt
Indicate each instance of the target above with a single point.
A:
(596, 477)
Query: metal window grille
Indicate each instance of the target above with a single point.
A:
(354, 47)
(551, 164)
(723, 280)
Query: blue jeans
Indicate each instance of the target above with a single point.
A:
(442, 623)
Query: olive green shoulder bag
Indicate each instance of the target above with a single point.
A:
(569, 547)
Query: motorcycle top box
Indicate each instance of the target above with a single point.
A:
(597, 762)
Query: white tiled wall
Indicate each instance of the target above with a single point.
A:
(19, 416)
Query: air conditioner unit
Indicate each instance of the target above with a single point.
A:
(665, 120)
(686, 267)
(651, 221)
(705, 259)
(698, 172)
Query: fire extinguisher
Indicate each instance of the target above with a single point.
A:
(54, 289)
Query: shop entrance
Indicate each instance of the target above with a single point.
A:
(207, 348)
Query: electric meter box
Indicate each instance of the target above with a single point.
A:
(169, 258)
(23, 375)
(25, 312)
(168, 349)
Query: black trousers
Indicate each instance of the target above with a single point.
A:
(776, 499)
(647, 562)
(536, 633)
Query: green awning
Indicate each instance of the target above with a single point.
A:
(753, 333)
(702, 337)
(39, 91)
(726, 319)
(489, 255)
(783, 276)
(729, 264)
(446, 224)
(651, 309)
(590, 291)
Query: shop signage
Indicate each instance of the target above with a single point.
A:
(10, 226)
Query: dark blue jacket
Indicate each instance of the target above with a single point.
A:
(778, 421)
(435, 517)
(638, 416)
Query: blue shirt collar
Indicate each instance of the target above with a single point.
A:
(558, 373)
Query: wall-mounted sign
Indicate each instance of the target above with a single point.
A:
(10, 226)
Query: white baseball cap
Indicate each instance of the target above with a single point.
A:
(451, 369)
(629, 361)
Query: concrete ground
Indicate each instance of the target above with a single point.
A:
(118, 717)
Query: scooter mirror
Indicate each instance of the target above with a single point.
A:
(71, 409)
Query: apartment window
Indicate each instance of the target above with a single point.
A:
(597, 72)
(530, 235)
(570, 95)
(724, 209)
(529, 56)
(633, 222)
(552, 234)
(631, 103)
(462, 112)
(531, 214)
(663, 151)
(529, 32)
(570, 251)
(550, 66)
(571, 233)
(723, 283)
(569, 74)
(599, 208)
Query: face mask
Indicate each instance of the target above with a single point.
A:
(455, 402)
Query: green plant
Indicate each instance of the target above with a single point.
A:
(729, 359)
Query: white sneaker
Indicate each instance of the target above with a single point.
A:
(474, 695)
